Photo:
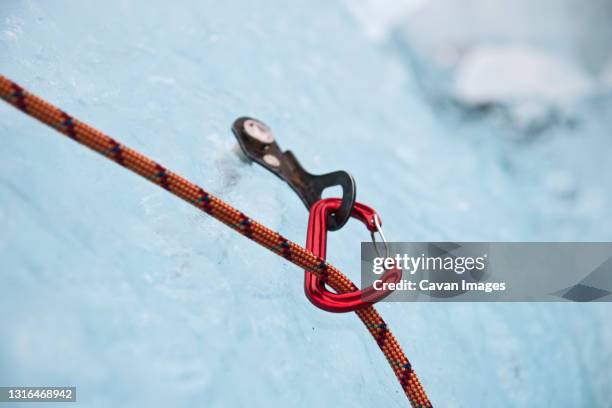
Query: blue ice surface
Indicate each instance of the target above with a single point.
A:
(111, 284)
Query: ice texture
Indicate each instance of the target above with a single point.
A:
(110, 284)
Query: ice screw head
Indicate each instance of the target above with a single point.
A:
(258, 131)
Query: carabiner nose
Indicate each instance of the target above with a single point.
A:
(316, 242)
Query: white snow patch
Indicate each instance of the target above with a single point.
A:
(514, 73)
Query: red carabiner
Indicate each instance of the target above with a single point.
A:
(316, 242)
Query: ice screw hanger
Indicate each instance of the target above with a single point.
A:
(258, 144)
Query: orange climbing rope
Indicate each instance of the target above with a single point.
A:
(195, 195)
